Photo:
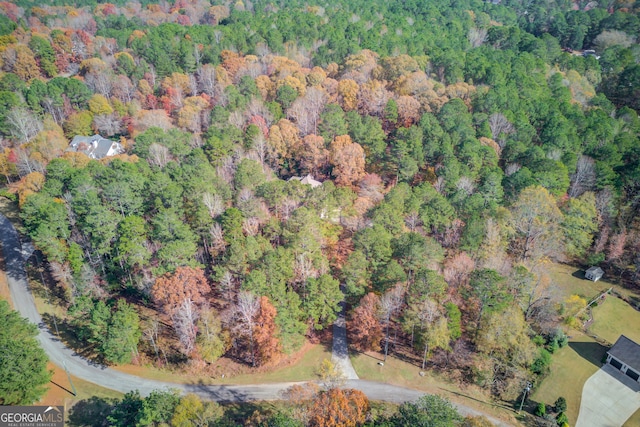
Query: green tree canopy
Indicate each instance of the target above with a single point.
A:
(23, 364)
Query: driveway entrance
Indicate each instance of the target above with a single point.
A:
(609, 398)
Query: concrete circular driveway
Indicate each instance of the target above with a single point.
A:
(609, 398)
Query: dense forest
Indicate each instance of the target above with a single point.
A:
(456, 147)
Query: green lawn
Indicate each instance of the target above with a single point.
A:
(614, 317)
(568, 280)
(571, 366)
(565, 283)
(398, 372)
(634, 421)
(304, 369)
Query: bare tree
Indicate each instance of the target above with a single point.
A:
(26, 164)
(61, 273)
(604, 204)
(584, 178)
(184, 322)
(466, 185)
(251, 226)
(214, 203)
(218, 244)
(261, 149)
(511, 169)
(500, 127)
(303, 268)
(412, 220)
(206, 77)
(477, 36)
(390, 303)
(23, 124)
(227, 286)
(152, 333)
(107, 124)
(99, 82)
(158, 155)
(246, 310)
(306, 110)
(458, 268)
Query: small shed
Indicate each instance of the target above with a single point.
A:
(625, 356)
(594, 274)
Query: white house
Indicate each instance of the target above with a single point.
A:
(95, 147)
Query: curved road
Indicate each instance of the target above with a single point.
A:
(115, 380)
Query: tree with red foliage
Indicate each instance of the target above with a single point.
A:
(267, 345)
(365, 328)
(172, 289)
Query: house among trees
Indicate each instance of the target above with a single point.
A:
(625, 356)
(594, 274)
(95, 147)
(308, 180)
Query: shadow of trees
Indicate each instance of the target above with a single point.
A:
(91, 412)
(592, 351)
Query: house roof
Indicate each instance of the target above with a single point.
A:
(95, 146)
(626, 351)
(307, 180)
(595, 270)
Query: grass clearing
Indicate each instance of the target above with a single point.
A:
(569, 280)
(398, 372)
(301, 366)
(615, 317)
(571, 366)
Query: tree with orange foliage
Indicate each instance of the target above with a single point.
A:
(365, 328)
(232, 62)
(25, 65)
(267, 345)
(347, 159)
(29, 184)
(348, 94)
(313, 157)
(172, 289)
(283, 139)
(336, 407)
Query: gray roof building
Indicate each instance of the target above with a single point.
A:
(308, 180)
(594, 273)
(95, 147)
(625, 356)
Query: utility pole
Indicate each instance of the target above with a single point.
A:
(73, 388)
(524, 394)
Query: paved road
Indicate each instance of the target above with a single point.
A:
(115, 380)
(609, 398)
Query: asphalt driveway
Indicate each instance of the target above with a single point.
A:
(609, 398)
